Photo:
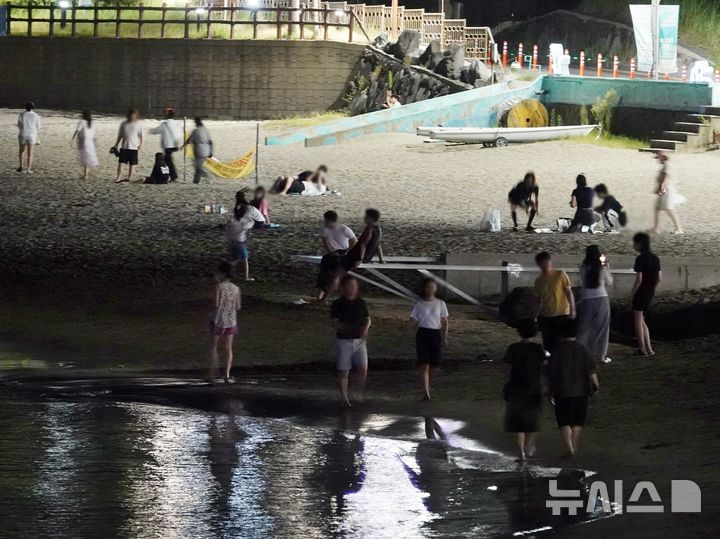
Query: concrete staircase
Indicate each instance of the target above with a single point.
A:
(694, 133)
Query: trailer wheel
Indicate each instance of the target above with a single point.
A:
(501, 142)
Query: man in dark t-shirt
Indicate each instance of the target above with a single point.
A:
(352, 320)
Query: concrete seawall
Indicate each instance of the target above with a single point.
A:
(226, 79)
(678, 273)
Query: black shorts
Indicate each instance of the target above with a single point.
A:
(296, 188)
(522, 413)
(642, 299)
(428, 344)
(517, 200)
(571, 411)
(128, 157)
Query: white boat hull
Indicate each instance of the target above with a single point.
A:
(503, 135)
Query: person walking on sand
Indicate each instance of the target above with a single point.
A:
(28, 125)
(352, 322)
(170, 140)
(223, 320)
(244, 218)
(84, 138)
(431, 315)
(202, 149)
(668, 197)
(594, 309)
(523, 390)
(572, 379)
(556, 300)
(648, 275)
(525, 195)
(337, 238)
(129, 141)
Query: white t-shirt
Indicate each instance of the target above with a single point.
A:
(429, 314)
(131, 134)
(338, 237)
(29, 123)
(236, 230)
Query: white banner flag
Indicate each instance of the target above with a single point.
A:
(668, 22)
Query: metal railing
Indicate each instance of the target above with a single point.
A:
(189, 21)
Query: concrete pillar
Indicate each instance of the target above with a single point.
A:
(294, 28)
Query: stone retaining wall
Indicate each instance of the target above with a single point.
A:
(224, 79)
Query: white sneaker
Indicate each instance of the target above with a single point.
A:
(607, 360)
(28, 171)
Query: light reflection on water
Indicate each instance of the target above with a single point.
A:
(103, 469)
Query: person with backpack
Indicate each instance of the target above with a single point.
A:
(170, 140)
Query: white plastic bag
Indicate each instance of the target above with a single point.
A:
(491, 221)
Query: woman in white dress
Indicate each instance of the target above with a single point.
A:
(668, 197)
(84, 137)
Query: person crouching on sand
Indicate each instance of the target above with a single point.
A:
(431, 315)
(523, 390)
(525, 195)
(223, 320)
(572, 379)
(352, 320)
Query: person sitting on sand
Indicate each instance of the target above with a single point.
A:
(582, 200)
(523, 390)
(223, 320)
(161, 171)
(572, 379)
(525, 195)
(431, 315)
(305, 183)
(648, 275)
(337, 238)
(260, 203)
(368, 245)
(611, 211)
(244, 218)
(352, 321)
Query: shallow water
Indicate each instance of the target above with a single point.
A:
(113, 469)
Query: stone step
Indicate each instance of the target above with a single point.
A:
(690, 127)
(710, 110)
(680, 136)
(662, 144)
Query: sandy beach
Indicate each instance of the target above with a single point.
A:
(432, 198)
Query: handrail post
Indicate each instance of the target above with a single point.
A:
(118, 20)
(51, 24)
(96, 20)
(186, 33)
(73, 21)
(8, 12)
(351, 23)
(141, 13)
(209, 21)
(232, 20)
(505, 280)
(325, 21)
(29, 19)
(255, 25)
(163, 17)
(302, 24)
(279, 25)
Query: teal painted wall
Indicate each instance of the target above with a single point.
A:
(473, 108)
(638, 93)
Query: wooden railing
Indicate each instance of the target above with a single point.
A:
(246, 19)
(203, 21)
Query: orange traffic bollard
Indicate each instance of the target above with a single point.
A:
(684, 73)
(599, 64)
(667, 76)
(504, 54)
(717, 75)
(520, 55)
(535, 58)
(632, 68)
(616, 66)
(582, 63)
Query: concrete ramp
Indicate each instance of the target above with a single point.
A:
(472, 108)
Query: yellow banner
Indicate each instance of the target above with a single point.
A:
(234, 170)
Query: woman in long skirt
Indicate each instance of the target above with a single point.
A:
(84, 137)
(594, 311)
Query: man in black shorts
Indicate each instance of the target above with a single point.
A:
(129, 141)
(572, 377)
(525, 195)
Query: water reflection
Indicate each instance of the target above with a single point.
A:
(107, 469)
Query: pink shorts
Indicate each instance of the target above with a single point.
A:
(222, 332)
